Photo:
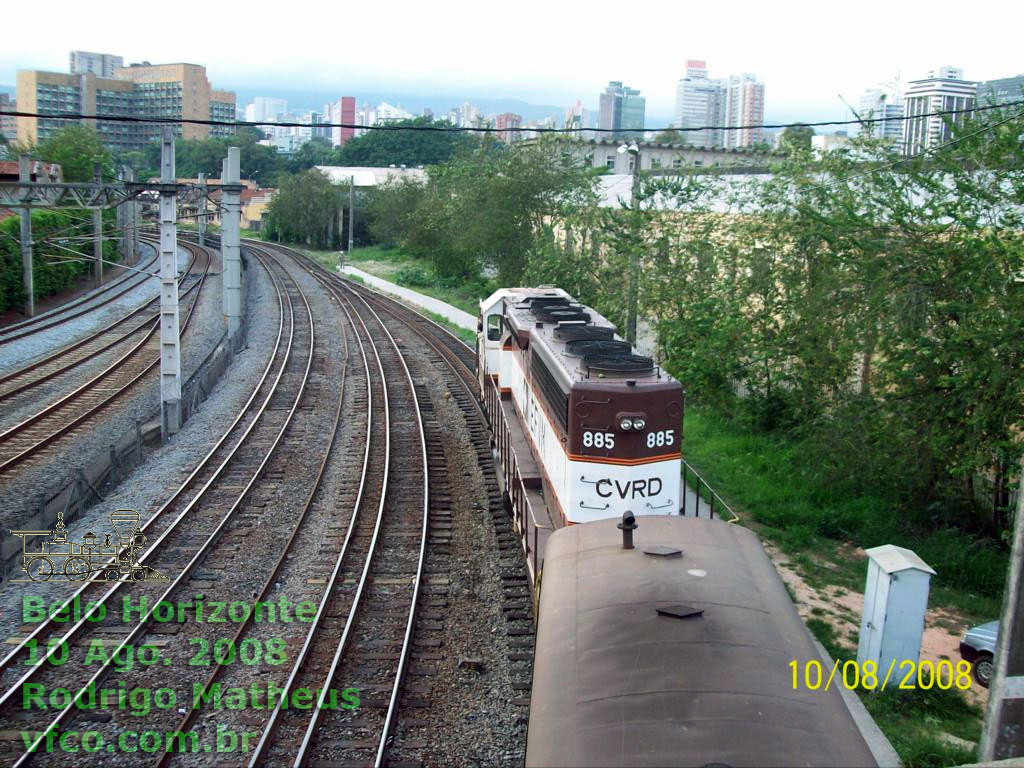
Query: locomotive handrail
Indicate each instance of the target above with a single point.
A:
(711, 492)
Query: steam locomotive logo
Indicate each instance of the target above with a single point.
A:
(49, 554)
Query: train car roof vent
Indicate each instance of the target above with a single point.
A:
(618, 364)
(561, 314)
(583, 347)
(574, 332)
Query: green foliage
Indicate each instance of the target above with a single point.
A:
(51, 270)
(382, 148)
(485, 209)
(77, 148)
(670, 136)
(796, 138)
(304, 210)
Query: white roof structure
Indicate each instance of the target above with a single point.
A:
(893, 559)
(368, 177)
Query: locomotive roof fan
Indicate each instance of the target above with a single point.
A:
(573, 331)
(590, 347)
(622, 364)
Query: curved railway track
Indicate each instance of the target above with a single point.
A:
(187, 529)
(79, 306)
(366, 618)
(33, 438)
(125, 328)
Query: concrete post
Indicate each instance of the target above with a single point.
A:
(97, 231)
(230, 241)
(132, 222)
(170, 343)
(351, 211)
(1003, 734)
(201, 209)
(25, 176)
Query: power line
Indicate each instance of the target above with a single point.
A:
(491, 129)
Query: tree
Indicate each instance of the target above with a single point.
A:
(671, 136)
(419, 146)
(76, 148)
(304, 210)
(796, 138)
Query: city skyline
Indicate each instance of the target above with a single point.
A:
(806, 67)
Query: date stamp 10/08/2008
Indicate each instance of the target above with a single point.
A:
(904, 675)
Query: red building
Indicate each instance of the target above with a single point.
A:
(508, 125)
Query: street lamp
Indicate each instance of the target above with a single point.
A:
(634, 258)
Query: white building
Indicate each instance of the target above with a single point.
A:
(885, 105)
(99, 64)
(942, 91)
(266, 109)
(822, 143)
(700, 101)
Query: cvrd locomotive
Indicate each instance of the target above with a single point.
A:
(586, 428)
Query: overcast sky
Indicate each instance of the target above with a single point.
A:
(807, 54)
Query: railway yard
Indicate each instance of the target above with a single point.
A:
(326, 524)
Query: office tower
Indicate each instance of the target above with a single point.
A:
(99, 64)
(942, 91)
(700, 103)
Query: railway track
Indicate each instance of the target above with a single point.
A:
(36, 437)
(124, 329)
(204, 518)
(79, 306)
(381, 590)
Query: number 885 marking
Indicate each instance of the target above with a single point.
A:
(599, 440)
(661, 439)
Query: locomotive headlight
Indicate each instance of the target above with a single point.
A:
(626, 424)
(639, 424)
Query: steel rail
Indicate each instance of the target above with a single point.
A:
(308, 738)
(270, 727)
(92, 383)
(199, 555)
(204, 462)
(192, 713)
(22, 329)
(78, 344)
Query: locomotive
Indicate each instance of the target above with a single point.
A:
(586, 428)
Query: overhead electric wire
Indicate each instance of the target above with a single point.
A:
(491, 129)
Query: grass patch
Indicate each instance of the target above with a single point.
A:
(400, 268)
(912, 720)
(769, 481)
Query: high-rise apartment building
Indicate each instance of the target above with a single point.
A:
(341, 111)
(266, 109)
(736, 102)
(700, 103)
(508, 125)
(1002, 91)
(622, 111)
(886, 106)
(99, 64)
(942, 91)
(744, 111)
(173, 91)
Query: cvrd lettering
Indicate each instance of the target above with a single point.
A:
(631, 489)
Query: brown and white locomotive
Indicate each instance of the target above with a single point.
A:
(595, 429)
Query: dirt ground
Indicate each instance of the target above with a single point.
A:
(842, 609)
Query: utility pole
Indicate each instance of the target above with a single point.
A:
(351, 211)
(170, 336)
(201, 209)
(633, 289)
(1003, 734)
(97, 231)
(230, 241)
(25, 176)
(132, 220)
